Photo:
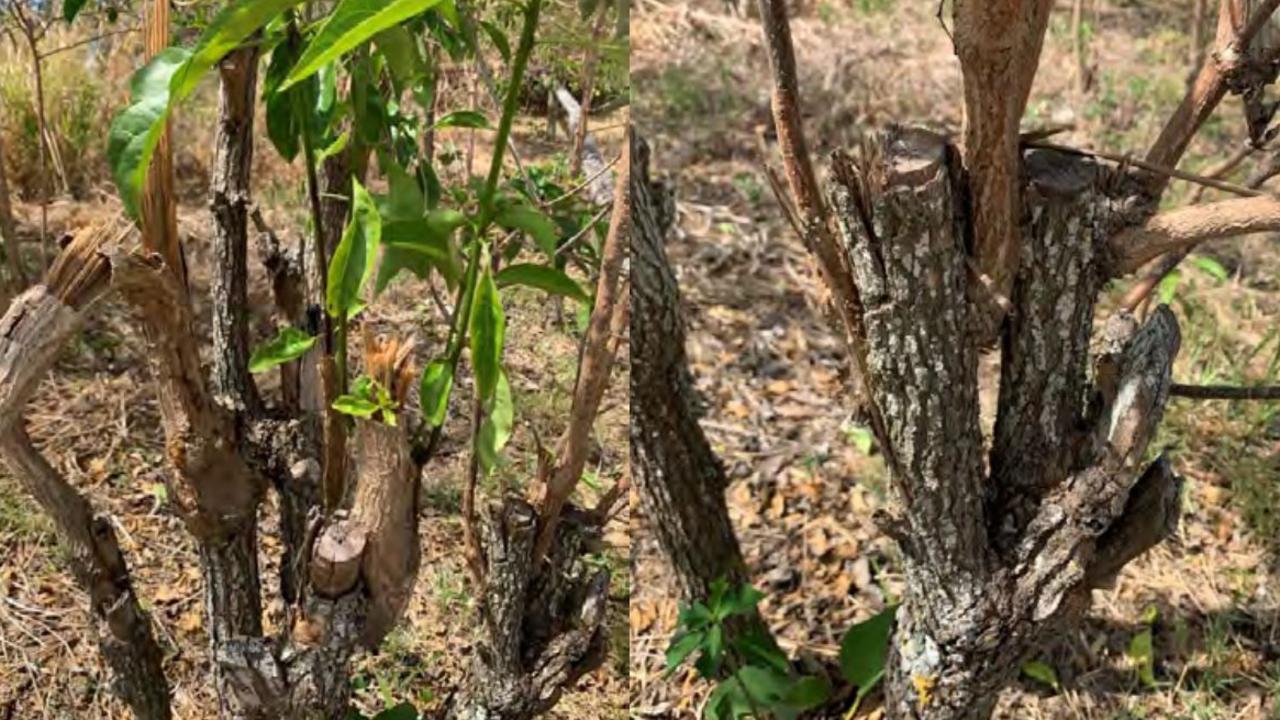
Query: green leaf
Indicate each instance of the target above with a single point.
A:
(433, 394)
(338, 145)
(715, 643)
(403, 711)
(1211, 267)
(404, 197)
(1041, 672)
(1169, 286)
(351, 24)
(764, 684)
(542, 277)
(495, 429)
(519, 216)
(697, 615)
(282, 119)
(135, 131)
(758, 648)
(167, 80)
(1142, 654)
(727, 702)
(419, 245)
(682, 647)
(352, 261)
(403, 58)
(463, 119)
(744, 601)
(488, 331)
(499, 39)
(355, 406)
(290, 344)
(806, 692)
(71, 8)
(863, 650)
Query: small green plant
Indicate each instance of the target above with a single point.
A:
(1141, 651)
(753, 678)
(1042, 672)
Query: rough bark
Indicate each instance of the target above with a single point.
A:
(543, 622)
(359, 571)
(679, 479)
(229, 202)
(32, 333)
(1045, 348)
(1072, 502)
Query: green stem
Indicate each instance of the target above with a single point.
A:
(509, 107)
(466, 293)
(458, 329)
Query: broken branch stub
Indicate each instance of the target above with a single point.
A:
(33, 331)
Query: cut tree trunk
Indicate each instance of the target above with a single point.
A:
(543, 622)
(542, 605)
(679, 479)
(996, 564)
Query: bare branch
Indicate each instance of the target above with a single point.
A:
(1182, 229)
(1210, 86)
(1226, 392)
(817, 235)
(596, 364)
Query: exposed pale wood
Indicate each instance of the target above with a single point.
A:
(385, 505)
(335, 559)
(33, 331)
(600, 189)
(158, 209)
